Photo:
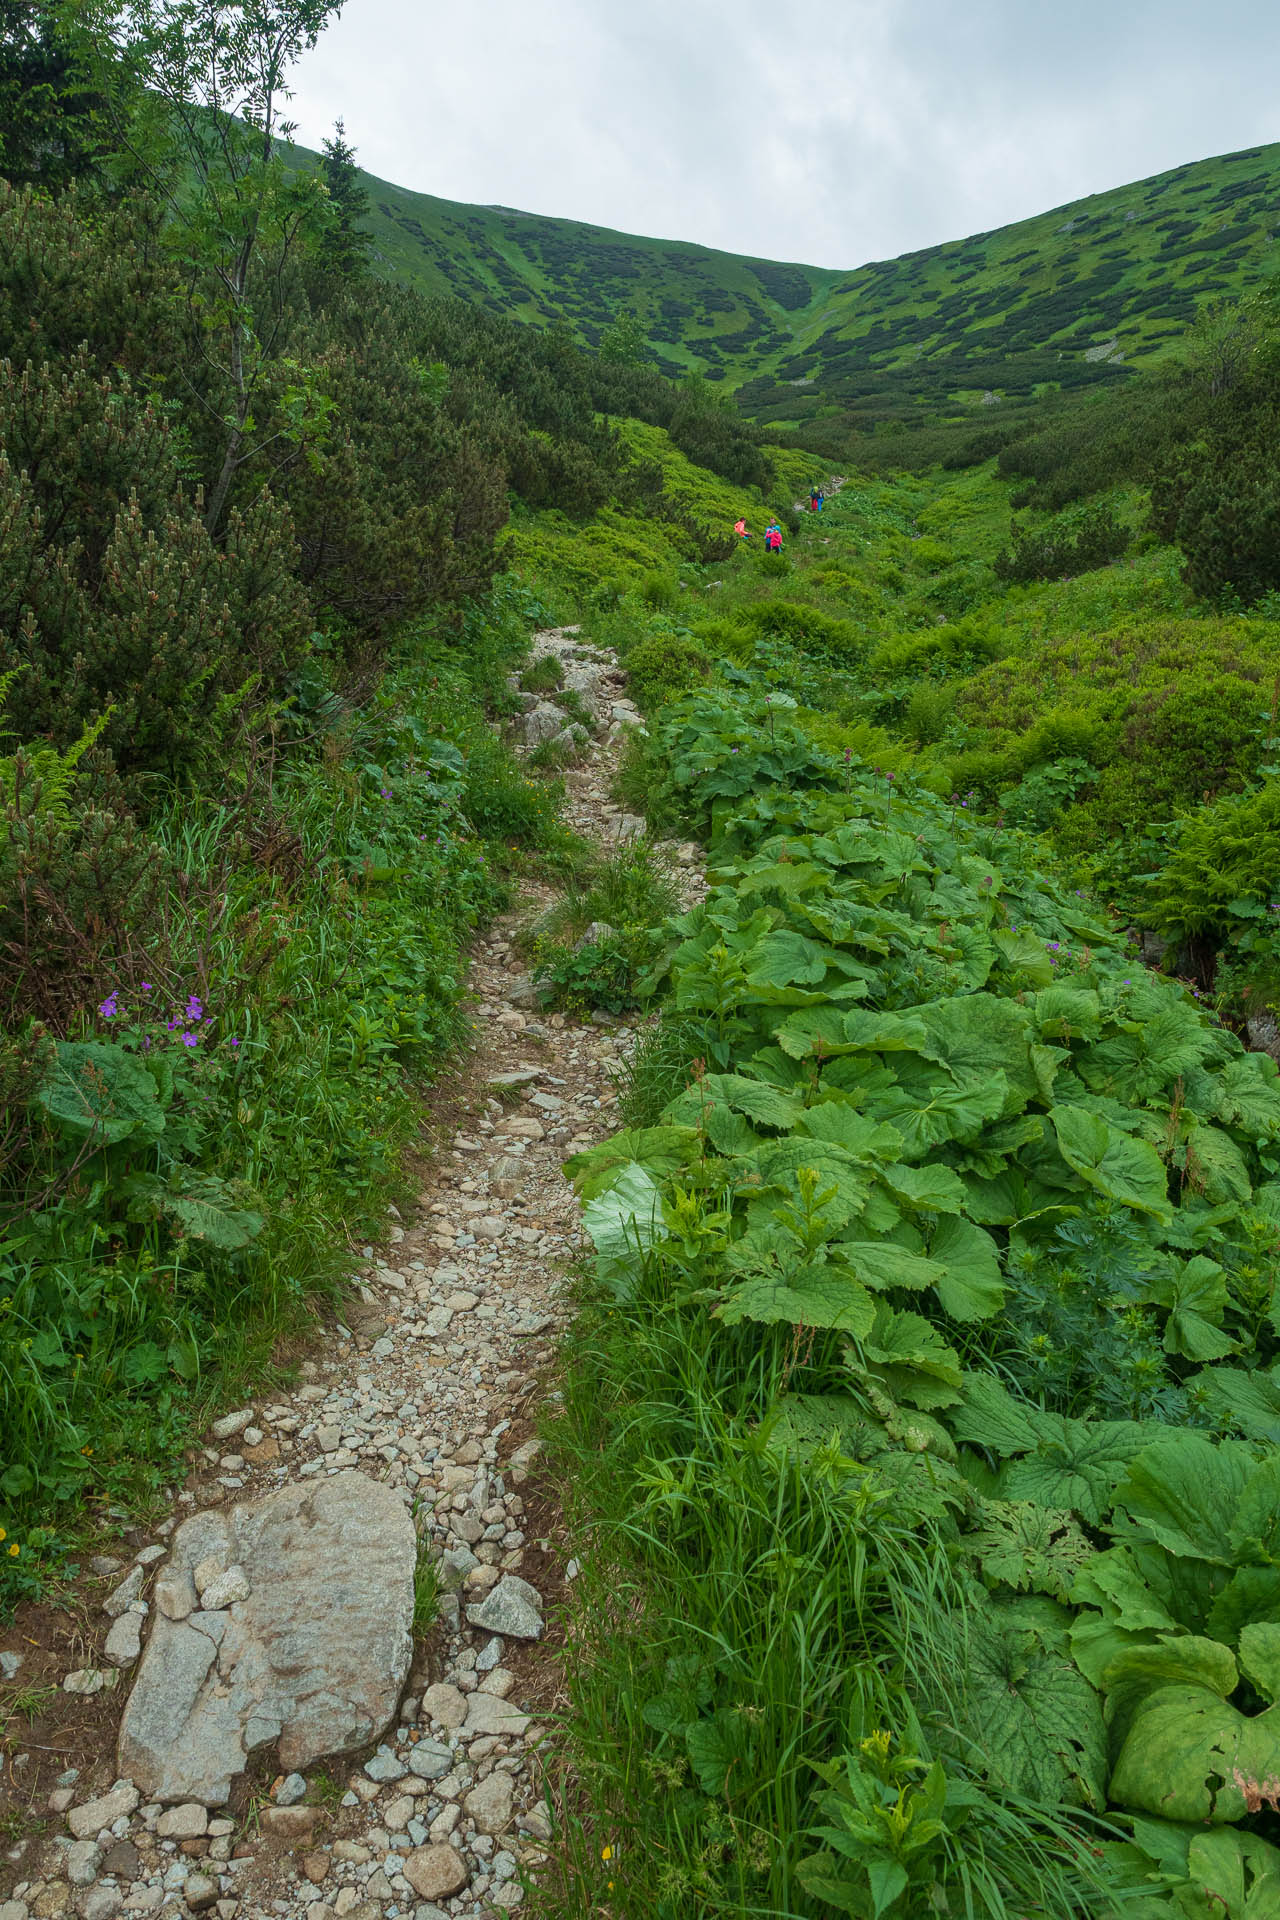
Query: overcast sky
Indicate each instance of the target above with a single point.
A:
(830, 134)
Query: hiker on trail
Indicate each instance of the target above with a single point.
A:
(822, 499)
(815, 499)
(773, 538)
(740, 528)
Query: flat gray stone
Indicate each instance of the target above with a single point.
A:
(81, 1862)
(87, 1821)
(98, 1903)
(436, 1872)
(187, 1822)
(490, 1804)
(121, 1598)
(430, 1760)
(124, 1642)
(486, 1713)
(312, 1662)
(513, 1609)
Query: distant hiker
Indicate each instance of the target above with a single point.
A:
(740, 528)
(815, 499)
(822, 499)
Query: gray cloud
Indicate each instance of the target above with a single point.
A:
(831, 135)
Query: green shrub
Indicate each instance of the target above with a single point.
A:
(664, 665)
(1076, 542)
(658, 592)
(927, 714)
(113, 598)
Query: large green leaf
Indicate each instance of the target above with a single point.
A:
(1182, 1493)
(881, 1264)
(763, 1104)
(930, 1107)
(1151, 1054)
(207, 1211)
(804, 1422)
(989, 1416)
(662, 1150)
(978, 1032)
(785, 959)
(1121, 1168)
(1029, 1548)
(1196, 1296)
(1029, 1712)
(627, 1217)
(1252, 1594)
(774, 1169)
(929, 1189)
(1167, 1660)
(911, 1359)
(1255, 1523)
(812, 1295)
(1249, 1401)
(843, 1126)
(1249, 1095)
(1190, 1755)
(971, 1287)
(1012, 1197)
(1215, 1166)
(1077, 1464)
(1067, 1013)
(1260, 1656)
(98, 1091)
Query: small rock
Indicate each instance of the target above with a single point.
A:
(490, 1804)
(186, 1822)
(384, 1767)
(429, 1760)
(87, 1821)
(290, 1790)
(536, 1823)
(9, 1664)
(513, 1609)
(232, 1423)
(224, 1590)
(174, 1593)
(316, 1868)
(81, 1862)
(96, 1903)
(147, 1556)
(122, 1860)
(486, 1713)
(444, 1705)
(289, 1823)
(124, 1642)
(90, 1680)
(121, 1598)
(199, 1891)
(435, 1873)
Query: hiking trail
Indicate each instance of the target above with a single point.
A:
(429, 1388)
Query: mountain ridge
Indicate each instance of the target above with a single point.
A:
(1073, 296)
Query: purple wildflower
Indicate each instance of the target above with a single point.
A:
(191, 1040)
(109, 1007)
(195, 1007)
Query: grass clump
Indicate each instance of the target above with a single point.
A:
(594, 946)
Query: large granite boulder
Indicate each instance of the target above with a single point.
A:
(282, 1623)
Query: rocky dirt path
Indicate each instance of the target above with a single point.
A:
(430, 1387)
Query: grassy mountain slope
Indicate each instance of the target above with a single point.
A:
(1072, 297)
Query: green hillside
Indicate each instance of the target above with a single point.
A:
(1073, 297)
